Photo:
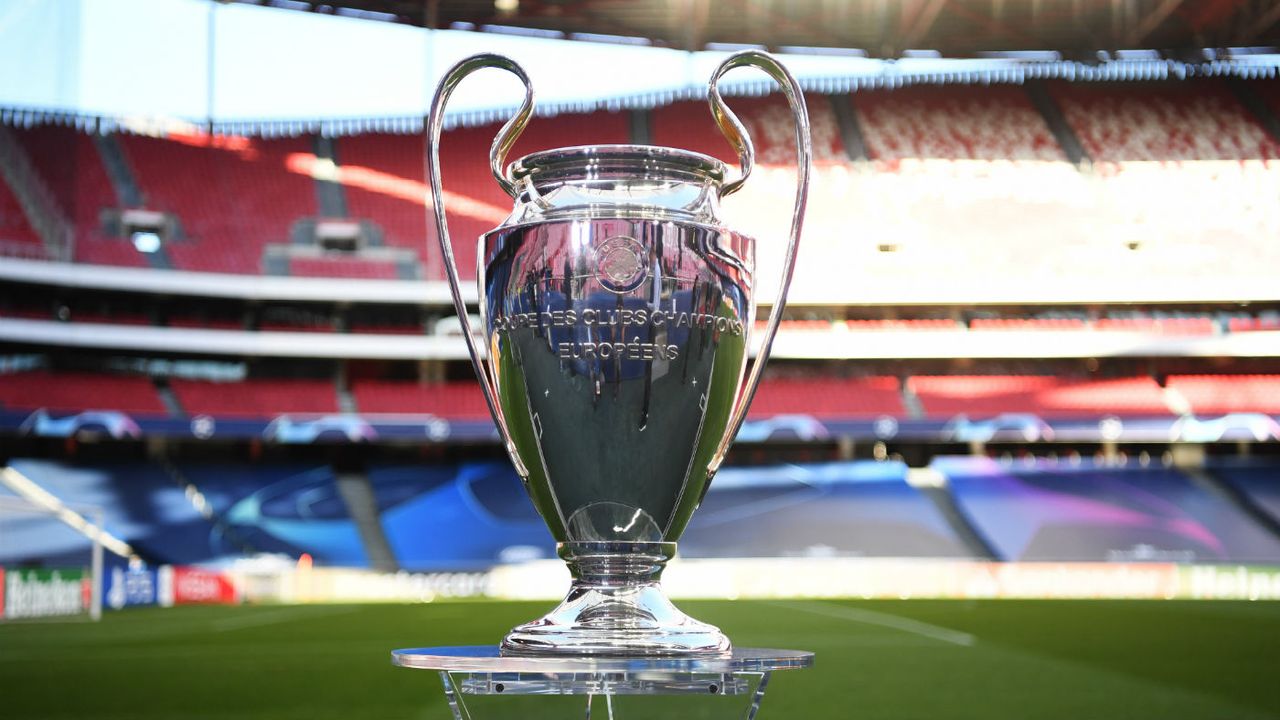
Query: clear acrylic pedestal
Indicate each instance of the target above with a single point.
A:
(481, 684)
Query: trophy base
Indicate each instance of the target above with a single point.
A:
(616, 607)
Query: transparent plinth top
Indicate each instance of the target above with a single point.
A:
(487, 659)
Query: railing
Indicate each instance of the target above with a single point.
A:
(37, 201)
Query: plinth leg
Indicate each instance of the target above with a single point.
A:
(618, 695)
(758, 697)
(451, 695)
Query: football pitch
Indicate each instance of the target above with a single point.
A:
(934, 660)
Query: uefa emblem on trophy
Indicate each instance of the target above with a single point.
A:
(617, 310)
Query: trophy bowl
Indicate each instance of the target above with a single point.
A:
(617, 312)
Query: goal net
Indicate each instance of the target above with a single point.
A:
(50, 560)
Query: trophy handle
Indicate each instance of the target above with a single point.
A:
(497, 154)
(741, 142)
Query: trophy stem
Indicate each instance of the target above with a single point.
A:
(616, 607)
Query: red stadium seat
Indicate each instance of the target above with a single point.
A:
(383, 177)
(72, 169)
(1161, 326)
(256, 398)
(828, 397)
(912, 324)
(345, 267)
(456, 400)
(17, 238)
(1220, 394)
(1027, 324)
(1047, 396)
(112, 318)
(1169, 122)
(385, 181)
(386, 329)
(994, 123)
(74, 392)
(232, 195)
(205, 323)
(1253, 324)
(688, 125)
(819, 397)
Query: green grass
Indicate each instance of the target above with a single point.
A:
(1083, 660)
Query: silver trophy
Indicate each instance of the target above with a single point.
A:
(617, 311)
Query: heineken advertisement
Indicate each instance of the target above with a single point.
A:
(45, 593)
(930, 578)
(1230, 582)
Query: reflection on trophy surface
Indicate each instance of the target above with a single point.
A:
(617, 312)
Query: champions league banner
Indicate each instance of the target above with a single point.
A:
(166, 586)
(195, 586)
(131, 587)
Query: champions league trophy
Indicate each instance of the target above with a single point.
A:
(617, 312)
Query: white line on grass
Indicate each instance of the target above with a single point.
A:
(284, 614)
(882, 619)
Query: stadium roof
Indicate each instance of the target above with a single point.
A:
(883, 28)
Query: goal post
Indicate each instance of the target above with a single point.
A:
(51, 560)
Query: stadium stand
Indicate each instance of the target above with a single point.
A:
(109, 318)
(76, 391)
(14, 227)
(435, 517)
(1257, 481)
(996, 124)
(909, 324)
(280, 507)
(142, 505)
(1221, 394)
(71, 168)
(346, 267)
(689, 125)
(1027, 324)
(1049, 512)
(852, 508)
(816, 395)
(232, 195)
(456, 401)
(1164, 122)
(1034, 512)
(828, 397)
(1167, 158)
(954, 175)
(256, 397)
(271, 326)
(385, 328)
(1148, 324)
(1159, 326)
(478, 515)
(384, 180)
(1046, 396)
(205, 322)
(1253, 324)
(26, 313)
